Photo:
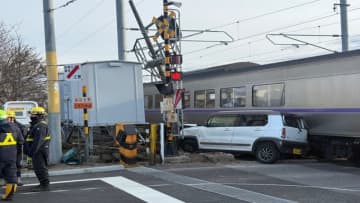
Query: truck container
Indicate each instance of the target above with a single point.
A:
(114, 87)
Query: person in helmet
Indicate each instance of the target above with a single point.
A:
(9, 140)
(21, 131)
(37, 147)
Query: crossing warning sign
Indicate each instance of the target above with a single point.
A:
(177, 99)
(72, 72)
(82, 103)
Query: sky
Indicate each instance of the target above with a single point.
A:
(86, 29)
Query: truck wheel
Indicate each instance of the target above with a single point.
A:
(190, 145)
(267, 152)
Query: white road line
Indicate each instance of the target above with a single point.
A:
(59, 191)
(91, 188)
(28, 193)
(160, 185)
(131, 187)
(211, 167)
(66, 181)
(308, 175)
(298, 186)
(217, 188)
(139, 191)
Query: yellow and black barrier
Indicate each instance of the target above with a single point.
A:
(154, 131)
(126, 137)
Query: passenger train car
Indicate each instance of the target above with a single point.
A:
(324, 90)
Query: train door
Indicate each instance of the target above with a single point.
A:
(218, 132)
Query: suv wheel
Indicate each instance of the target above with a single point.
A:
(190, 145)
(267, 152)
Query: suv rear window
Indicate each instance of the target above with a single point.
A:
(292, 121)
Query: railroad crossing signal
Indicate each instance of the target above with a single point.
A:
(176, 76)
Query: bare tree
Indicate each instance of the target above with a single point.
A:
(22, 73)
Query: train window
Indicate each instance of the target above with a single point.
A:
(187, 100)
(199, 99)
(204, 98)
(210, 98)
(268, 95)
(158, 99)
(148, 101)
(232, 97)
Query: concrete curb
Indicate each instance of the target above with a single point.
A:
(96, 169)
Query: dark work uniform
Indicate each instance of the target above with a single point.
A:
(21, 129)
(9, 142)
(37, 147)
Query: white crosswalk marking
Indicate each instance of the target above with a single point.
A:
(139, 191)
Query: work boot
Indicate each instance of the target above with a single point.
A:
(41, 188)
(10, 189)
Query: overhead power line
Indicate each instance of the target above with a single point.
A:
(272, 30)
(265, 53)
(62, 6)
(265, 14)
(293, 25)
(99, 29)
(251, 18)
(269, 31)
(87, 13)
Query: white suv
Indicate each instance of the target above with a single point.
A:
(266, 134)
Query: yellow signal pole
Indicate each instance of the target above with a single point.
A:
(53, 84)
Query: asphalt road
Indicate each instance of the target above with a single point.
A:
(247, 181)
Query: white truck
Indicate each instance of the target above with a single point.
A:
(21, 109)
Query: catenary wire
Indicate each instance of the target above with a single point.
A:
(269, 31)
(62, 6)
(83, 17)
(233, 60)
(264, 14)
(99, 29)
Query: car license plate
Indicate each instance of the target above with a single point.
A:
(297, 151)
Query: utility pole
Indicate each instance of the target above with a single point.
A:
(53, 84)
(344, 25)
(120, 29)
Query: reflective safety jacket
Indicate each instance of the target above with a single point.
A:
(38, 138)
(9, 141)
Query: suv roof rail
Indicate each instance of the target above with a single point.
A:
(249, 112)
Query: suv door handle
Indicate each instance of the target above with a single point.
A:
(257, 129)
(227, 129)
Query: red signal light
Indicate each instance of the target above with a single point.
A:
(176, 76)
